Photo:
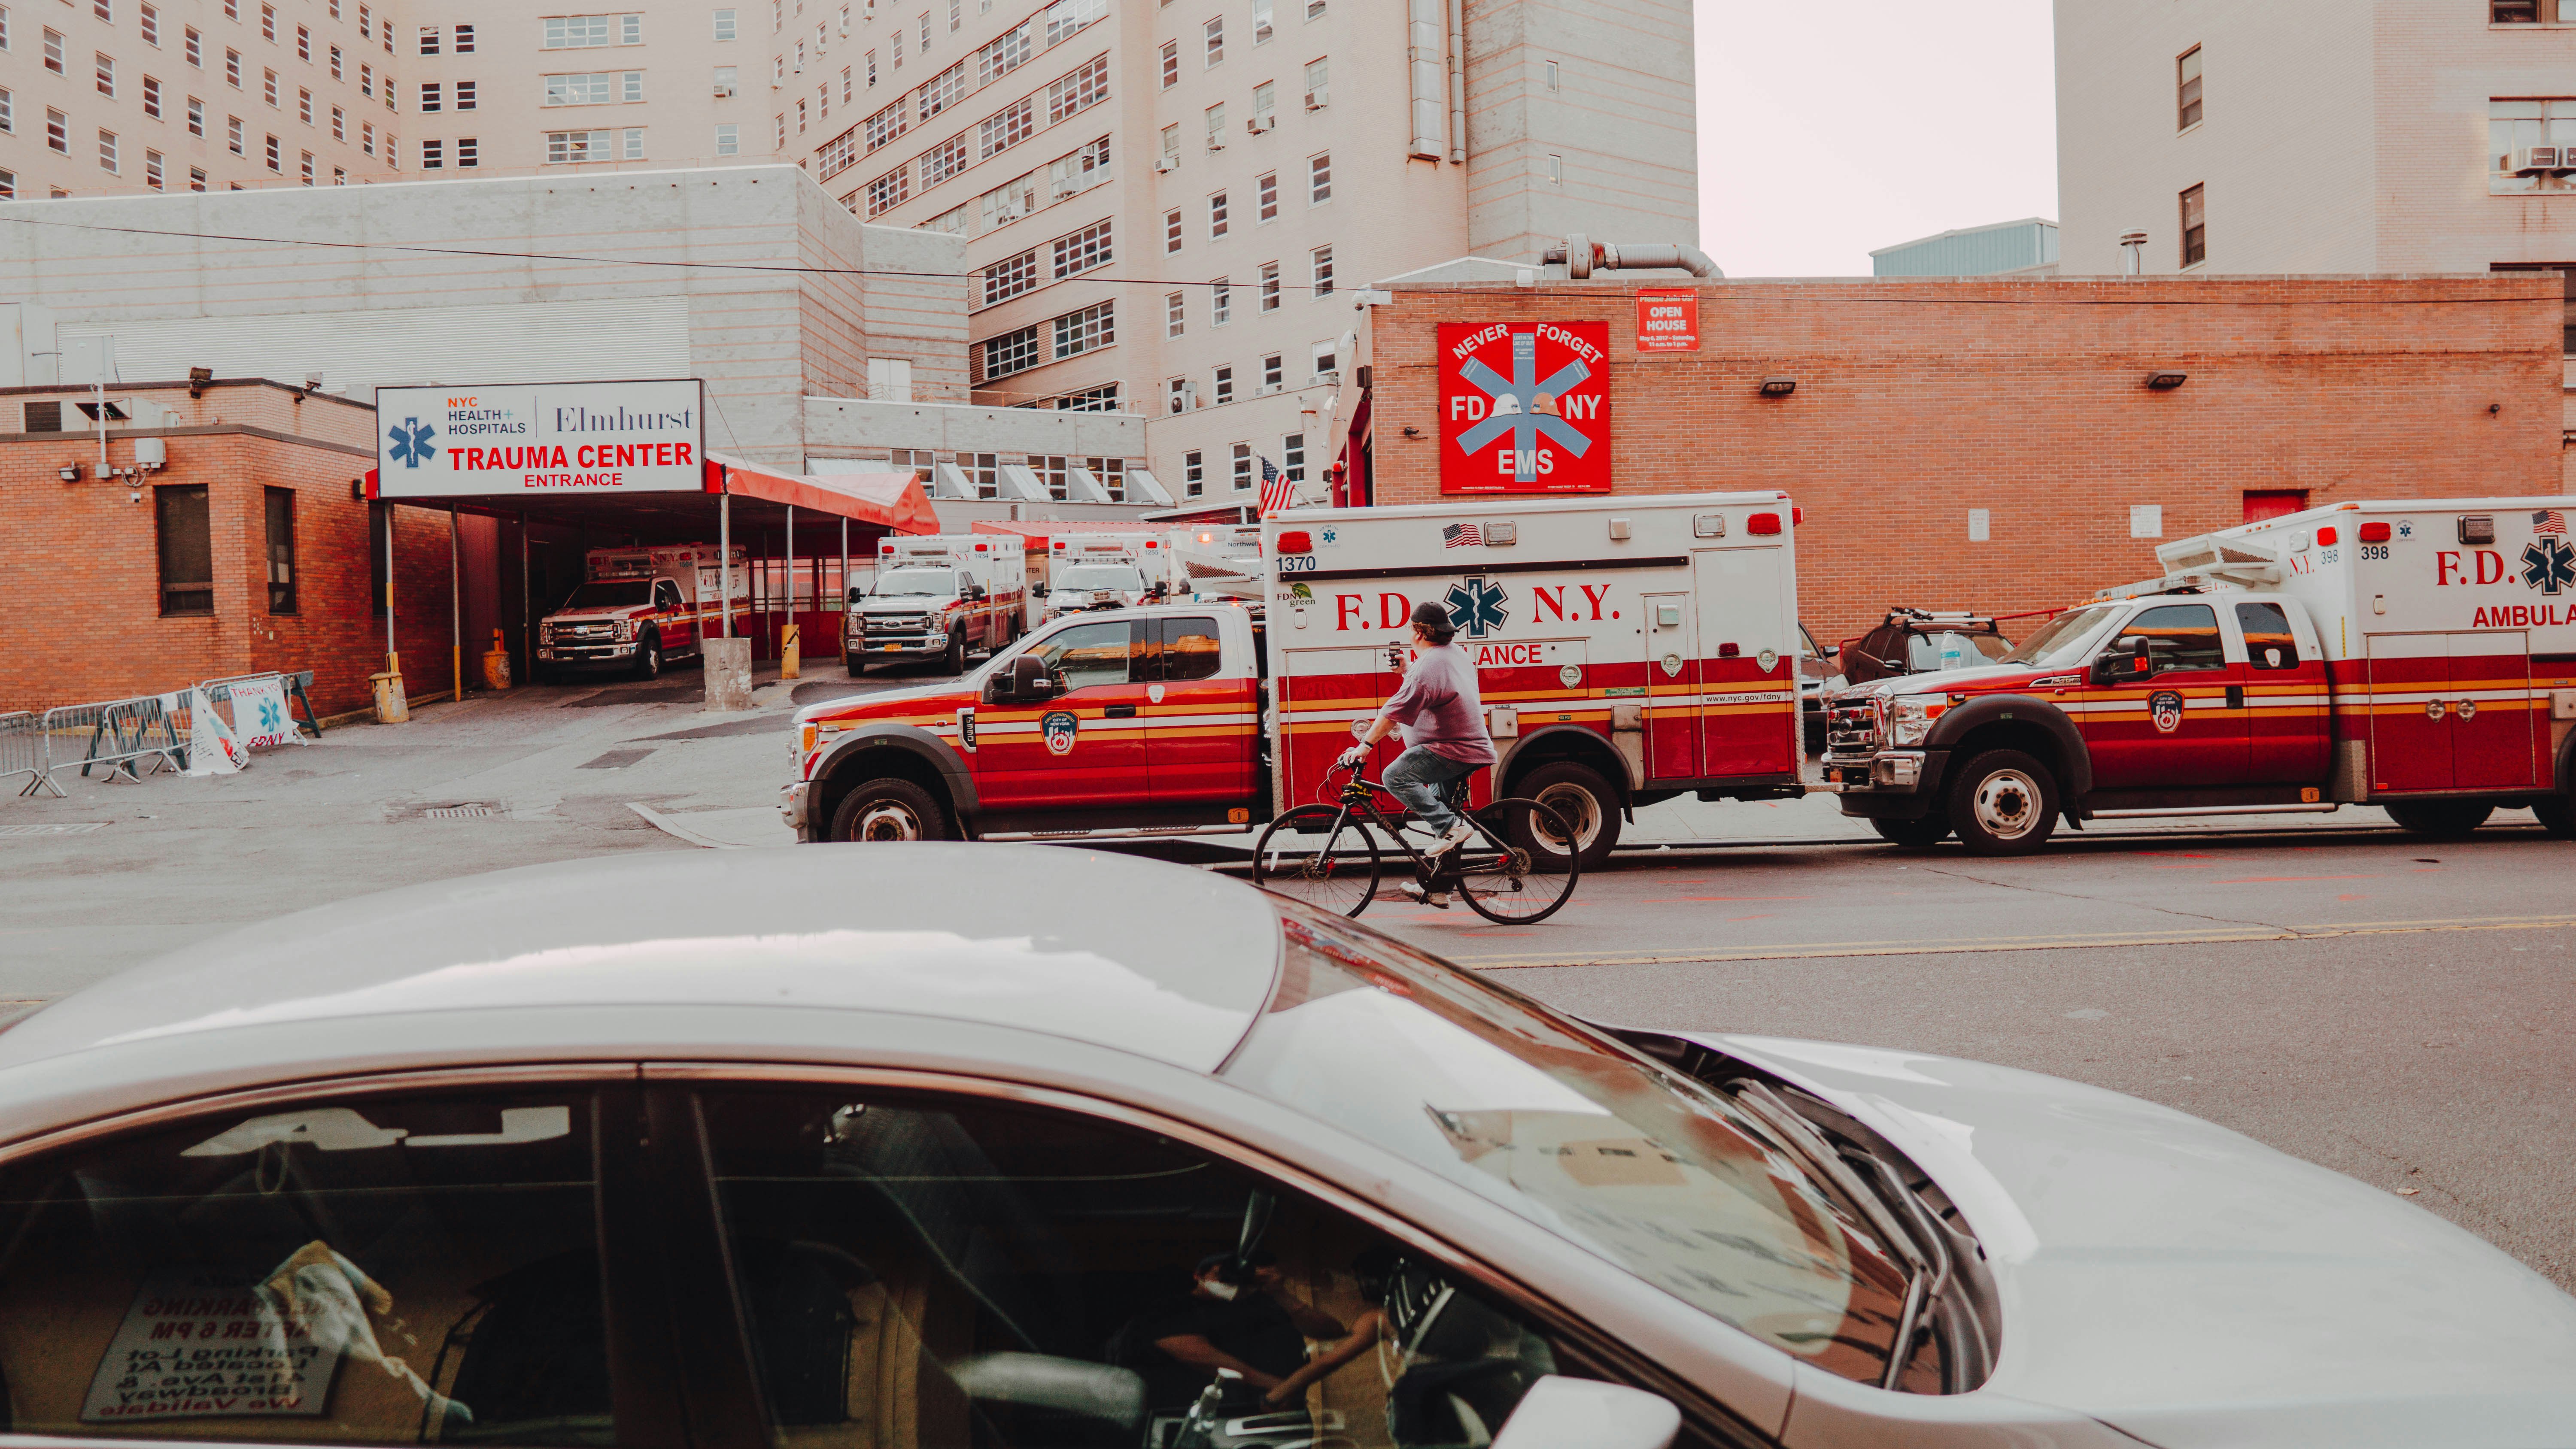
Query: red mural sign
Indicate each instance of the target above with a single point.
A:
(1525, 407)
(1668, 321)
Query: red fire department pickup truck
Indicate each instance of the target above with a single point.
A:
(1629, 651)
(2419, 656)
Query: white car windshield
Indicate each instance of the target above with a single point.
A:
(610, 594)
(915, 583)
(1653, 1171)
(1102, 576)
(2064, 640)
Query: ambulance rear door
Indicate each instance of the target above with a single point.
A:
(1748, 661)
(1320, 691)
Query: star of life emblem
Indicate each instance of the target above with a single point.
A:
(411, 442)
(1478, 606)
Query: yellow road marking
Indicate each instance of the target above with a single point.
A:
(1958, 945)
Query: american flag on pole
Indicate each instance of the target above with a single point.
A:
(2549, 520)
(1462, 535)
(1278, 493)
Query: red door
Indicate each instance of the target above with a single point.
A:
(2490, 711)
(1748, 712)
(1200, 730)
(2175, 724)
(1320, 694)
(1083, 749)
(1672, 723)
(2286, 699)
(2410, 733)
(679, 622)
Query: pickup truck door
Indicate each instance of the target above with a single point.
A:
(2286, 695)
(2182, 723)
(1201, 716)
(1083, 749)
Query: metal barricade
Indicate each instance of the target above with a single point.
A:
(22, 750)
(290, 686)
(115, 735)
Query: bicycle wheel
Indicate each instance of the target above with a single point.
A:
(1500, 880)
(1319, 854)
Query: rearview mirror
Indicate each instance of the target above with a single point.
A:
(1038, 588)
(1563, 1413)
(974, 592)
(1030, 679)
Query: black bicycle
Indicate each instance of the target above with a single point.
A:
(1496, 869)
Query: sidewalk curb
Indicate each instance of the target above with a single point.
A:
(677, 831)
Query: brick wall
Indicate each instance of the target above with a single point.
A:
(1920, 400)
(82, 573)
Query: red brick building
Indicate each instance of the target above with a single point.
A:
(247, 552)
(1917, 401)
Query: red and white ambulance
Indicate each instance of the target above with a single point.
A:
(937, 595)
(638, 608)
(1092, 571)
(2419, 656)
(1630, 650)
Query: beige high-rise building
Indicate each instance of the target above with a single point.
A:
(2386, 136)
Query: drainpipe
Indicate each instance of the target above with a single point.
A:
(1457, 82)
(1583, 256)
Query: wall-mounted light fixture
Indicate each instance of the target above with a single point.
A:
(2166, 379)
(1779, 385)
(69, 472)
(198, 377)
(1412, 432)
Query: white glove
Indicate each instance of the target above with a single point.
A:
(1353, 757)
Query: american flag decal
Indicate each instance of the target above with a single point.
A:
(2549, 520)
(1462, 535)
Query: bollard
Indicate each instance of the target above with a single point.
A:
(791, 656)
(728, 671)
(391, 706)
(496, 664)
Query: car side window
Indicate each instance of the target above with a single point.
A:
(346, 1270)
(1191, 648)
(1088, 655)
(2178, 636)
(945, 1272)
(666, 595)
(2270, 642)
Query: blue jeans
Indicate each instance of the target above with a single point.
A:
(1416, 777)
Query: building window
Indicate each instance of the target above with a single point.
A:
(1242, 465)
(1224, 385)
(339, 124)
(107, 151)
(1327, 367)
(54, 55)
(42, 417)
(433, 155)
(1088, 330)
(728, 139)
(1272, 373)
(1319, 82)
(1553, 78)
(567, 147)
(1171, 230)
(465, 40)
(1292, 457)
(1006, 128)
(1083, 250)
(1216, 127)
(152, 169)
(2528, 142)
(1216, 216)
(1321, 265)
(193, 46)
(1220, 302)
(1193, 473)
(429, 38)
(9, 112)
(232, 69)
(303, 44)
(1269, 286)
(2525, 12)
(1012, 352)
(336, 71)
(152, 98)
(943, 90)
(268, 23)
(2195, 227)
(468, 152)
(1171, 64)
(1260, 21)
(1176, 310)
(1214, 34)
(725, 25)
(106, 65)
(1010, 276)
(580, 90)
(233, 134)
(186, 548)
(890, 190)
(304, 106)
(1266, 190)
(58, 132)
(196, 117)
(150, 20)
(196, 178)
(943, 161)
(465, 95)
(307, 169)
(281, 549)
(886, 124)
(1319, 179)
(431, 93)
(1086, 86)
(1000, 57)
(573, 32)
(367, 137)
(2187, 90)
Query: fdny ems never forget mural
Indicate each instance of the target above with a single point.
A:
(562, 437)
(1525, 407)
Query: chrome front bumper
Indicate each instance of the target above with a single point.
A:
(1892, 772)
(791, 807)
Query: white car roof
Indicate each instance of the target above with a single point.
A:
(1160, 960)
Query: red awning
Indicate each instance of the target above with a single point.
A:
(892, 501)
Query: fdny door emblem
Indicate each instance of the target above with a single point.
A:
(1569, 676)
(1672, 664)
(1153, 694)
(1060, 727)
(2166, 706)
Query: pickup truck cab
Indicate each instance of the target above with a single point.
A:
(938, 598)
(1139, 720)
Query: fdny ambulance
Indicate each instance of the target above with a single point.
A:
(941, 595)
(2419, 656)
(638, 608)
(1629, 651)
(1092, 571)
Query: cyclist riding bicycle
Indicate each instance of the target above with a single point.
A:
(1444, 735)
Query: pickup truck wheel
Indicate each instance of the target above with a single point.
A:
(2441, 819)
(853, 665)
(1583, 800)
(2003, 802)
(1921, 834)
(2557, 816)
(889, 810)
(648, 657)
(954, 661)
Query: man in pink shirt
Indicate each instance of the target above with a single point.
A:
(1444, 728)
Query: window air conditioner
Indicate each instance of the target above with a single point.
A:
(724, 92)
(1064, 189)
(2538, 160)
(1216, 143)
(1259, 124)
(1317, 100)
(1166, 163)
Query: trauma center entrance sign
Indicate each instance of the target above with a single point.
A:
(1525, 407)
(563, 437)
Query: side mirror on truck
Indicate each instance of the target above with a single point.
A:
(1024, 680)
(973, 593)
(1038, 589)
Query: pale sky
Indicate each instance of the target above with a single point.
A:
(1828, 130)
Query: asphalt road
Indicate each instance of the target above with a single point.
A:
(2389, 1007)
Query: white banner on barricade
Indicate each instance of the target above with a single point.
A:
(260, 717)
(213, 749)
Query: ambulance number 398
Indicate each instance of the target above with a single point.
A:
(2374, 552)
